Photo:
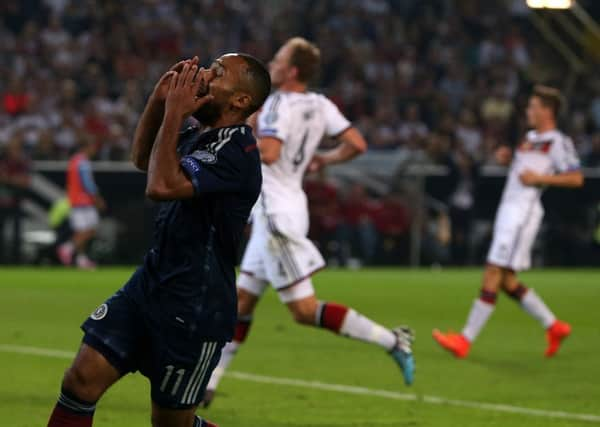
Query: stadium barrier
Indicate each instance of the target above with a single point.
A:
(571, 233)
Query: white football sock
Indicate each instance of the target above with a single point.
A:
(359, 327)
(229, 351)
(478, 317)
(533, 304)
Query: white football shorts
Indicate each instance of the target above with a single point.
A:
(279, 251)
(84, 218)
(515, 231)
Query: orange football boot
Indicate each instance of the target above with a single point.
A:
(455, 343)
(555, 334)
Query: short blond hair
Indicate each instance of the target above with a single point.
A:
(550, 97)
(306, 57)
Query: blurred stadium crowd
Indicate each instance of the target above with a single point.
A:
(434, 77)
(443, 81)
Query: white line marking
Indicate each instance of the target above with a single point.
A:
(36, 351)
(435, 400)
(341, 388)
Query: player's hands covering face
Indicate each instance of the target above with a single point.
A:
(182, 97)
(161, 89)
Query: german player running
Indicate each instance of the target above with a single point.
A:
(290, 127)
(545, 158)
(172, 318)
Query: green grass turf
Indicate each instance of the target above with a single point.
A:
(44, 307)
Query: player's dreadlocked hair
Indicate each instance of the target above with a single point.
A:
(260, 82)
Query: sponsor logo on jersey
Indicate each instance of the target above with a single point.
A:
(100, 312)
(209, 154)
(205, 156)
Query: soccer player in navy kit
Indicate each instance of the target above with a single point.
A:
(172, 318)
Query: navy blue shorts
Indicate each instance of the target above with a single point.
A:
(155, 333)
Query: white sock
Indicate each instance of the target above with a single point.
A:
(533, 304)
(81, 257)
(229, 351)
(478, 317)
(359, 327)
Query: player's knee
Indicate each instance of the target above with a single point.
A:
(182, 419)
(510, 282)
(79, 381)
(304, 314)
(492, 279)
(157, 421)
(246, 302)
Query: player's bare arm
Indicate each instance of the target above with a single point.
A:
(151, 119)
(571, 179)
(352, 144)
(270, 149)
(166, 179)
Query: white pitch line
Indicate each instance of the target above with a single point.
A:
(36, 351)
(435, 400)
(341, 388)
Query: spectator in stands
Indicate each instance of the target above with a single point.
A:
(326, 220)
(45, 148)
(15, 99)
(461, 202)
(595, 105)
(496, 108)
(358, 208)
(413, 130)
(438, 147)
(391, 219)
(468, 134)
(592, 160)
(437, 237)
(15, 178)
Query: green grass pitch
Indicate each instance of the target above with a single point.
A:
(43, 308)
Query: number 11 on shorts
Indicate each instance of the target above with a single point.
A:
(168, 374)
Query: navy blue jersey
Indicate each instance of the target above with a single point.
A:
(196, 240)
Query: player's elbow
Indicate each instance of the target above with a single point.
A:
(138, 162)
(578, 180)
(360, 146)
(157, 192)
(353, 139)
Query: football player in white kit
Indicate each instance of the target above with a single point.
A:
(546, 157)
(289, 129)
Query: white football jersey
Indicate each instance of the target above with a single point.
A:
(299, 120)
(548, 152)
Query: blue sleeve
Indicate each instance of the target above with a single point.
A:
(87, 179)
(221, 172)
